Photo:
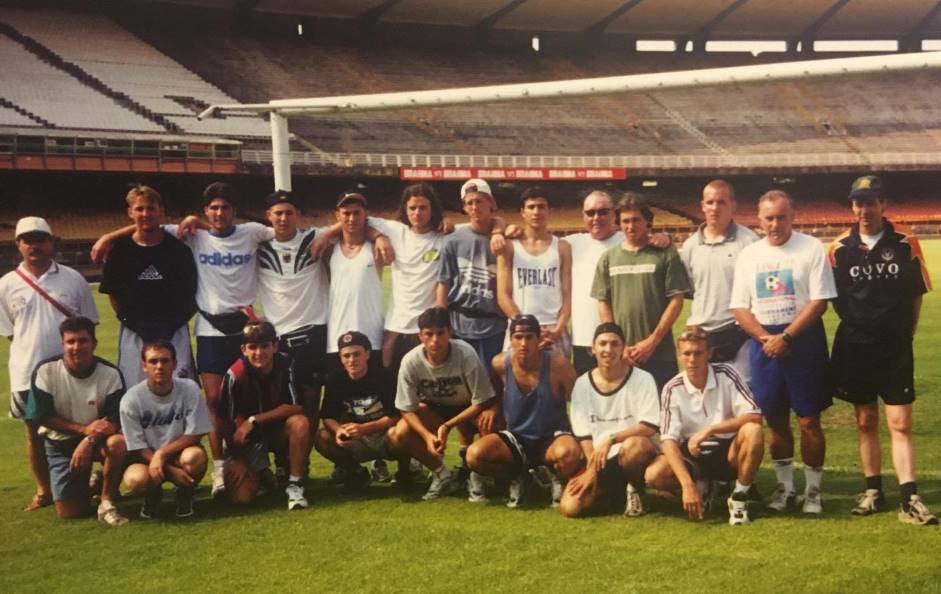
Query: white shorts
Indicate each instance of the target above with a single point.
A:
(129, 355)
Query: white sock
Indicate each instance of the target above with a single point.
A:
(218, 465)
(813, 476)
(740, 488)
(442, 472)
(784, 470)
(294, 478)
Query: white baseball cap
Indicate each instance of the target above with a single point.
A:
(475, 185)
(32, 225)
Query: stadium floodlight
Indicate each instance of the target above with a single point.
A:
(281, 109)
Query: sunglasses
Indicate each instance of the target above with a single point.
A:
(601, 212)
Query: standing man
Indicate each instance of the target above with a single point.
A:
(710, 429)
(880, 279)
(442, 386)
(709, 256)
(536, 384)
(640, 288)
(358, 410)
(34, 299)
(615, 415)
(601, 234)
(261, 412)
(164, 419)
(534, 274)
(467, 279)
(782, 285)
(150, 278)
(293, 290)
(75, 398)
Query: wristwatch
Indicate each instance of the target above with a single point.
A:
(787, 337)
(613, 438)
(252, 420)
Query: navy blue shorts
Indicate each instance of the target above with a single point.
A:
(862, 372)
(799, 382)
(66, 485)
(528, 453)
(487, 348)
(713, 466)
(215, 354)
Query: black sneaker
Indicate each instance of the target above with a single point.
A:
(184, 502)
(355, 481)
(338, 476)
(151, 504)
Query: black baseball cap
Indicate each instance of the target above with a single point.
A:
(354, 338)
(351, 197)
(280, 197)
(866, 187)
(606, 327)
(525, 323)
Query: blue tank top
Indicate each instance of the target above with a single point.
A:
(536, 415)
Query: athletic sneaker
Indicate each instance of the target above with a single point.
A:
(707, 489)
(917, 513)
(296, 499)
(354, 481)
(476, 492)
(634, 503)
(151, 504)
(813, 502)
(380, 472)
(782, 499)
(184, 502)
(441, 485)
(517, 491)
(218, 482)
(738, 509)
(110, 515)
(870, 502)
(337, 476)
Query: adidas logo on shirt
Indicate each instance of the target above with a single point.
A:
(150, 274)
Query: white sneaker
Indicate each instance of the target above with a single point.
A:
(380, 472)
(476, 492)
(441, 484)
(813, 502)
(110, 515)
(738, 509)
(782, 499)
(634, 504)
(517, 492)
(296, 499)
(218, 482)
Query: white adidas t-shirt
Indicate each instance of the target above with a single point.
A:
(536, 282)
(585, 254)
(598, 414)
(293, 288)
(355, 297)
(226, 269)
(776, 282)
(414, 273)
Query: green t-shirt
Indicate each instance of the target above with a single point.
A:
(638, 285)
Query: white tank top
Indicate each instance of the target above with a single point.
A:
(537, 282)
(355, 297)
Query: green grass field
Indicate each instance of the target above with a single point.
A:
(386, 540)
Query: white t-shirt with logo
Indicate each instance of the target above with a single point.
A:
(458, 382)
(585, 254)
(414, 273)
(151, 421)
(776, 282)
(33, 322)
(355, 297)
(226, 268)
(292, 287)
(598, 414)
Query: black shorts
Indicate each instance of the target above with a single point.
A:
(529, 453)
(582, 359)
(308, 348)
(713, 466)
(863, 372)
(402, 345)
(215, 354)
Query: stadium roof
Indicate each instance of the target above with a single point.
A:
(673, 19)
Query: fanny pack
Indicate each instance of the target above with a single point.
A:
(725, 342)
(231, 322)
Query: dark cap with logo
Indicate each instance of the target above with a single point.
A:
(350, 197)
(353, 338)
(866, 187)
(282, 197)
(525, 323)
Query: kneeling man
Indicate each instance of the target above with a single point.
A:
(710, 429)
(537, 388)
(358, 409)
(615, 414)
(74, 398)
(262, 411)
(442, 385)
(163, 419)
